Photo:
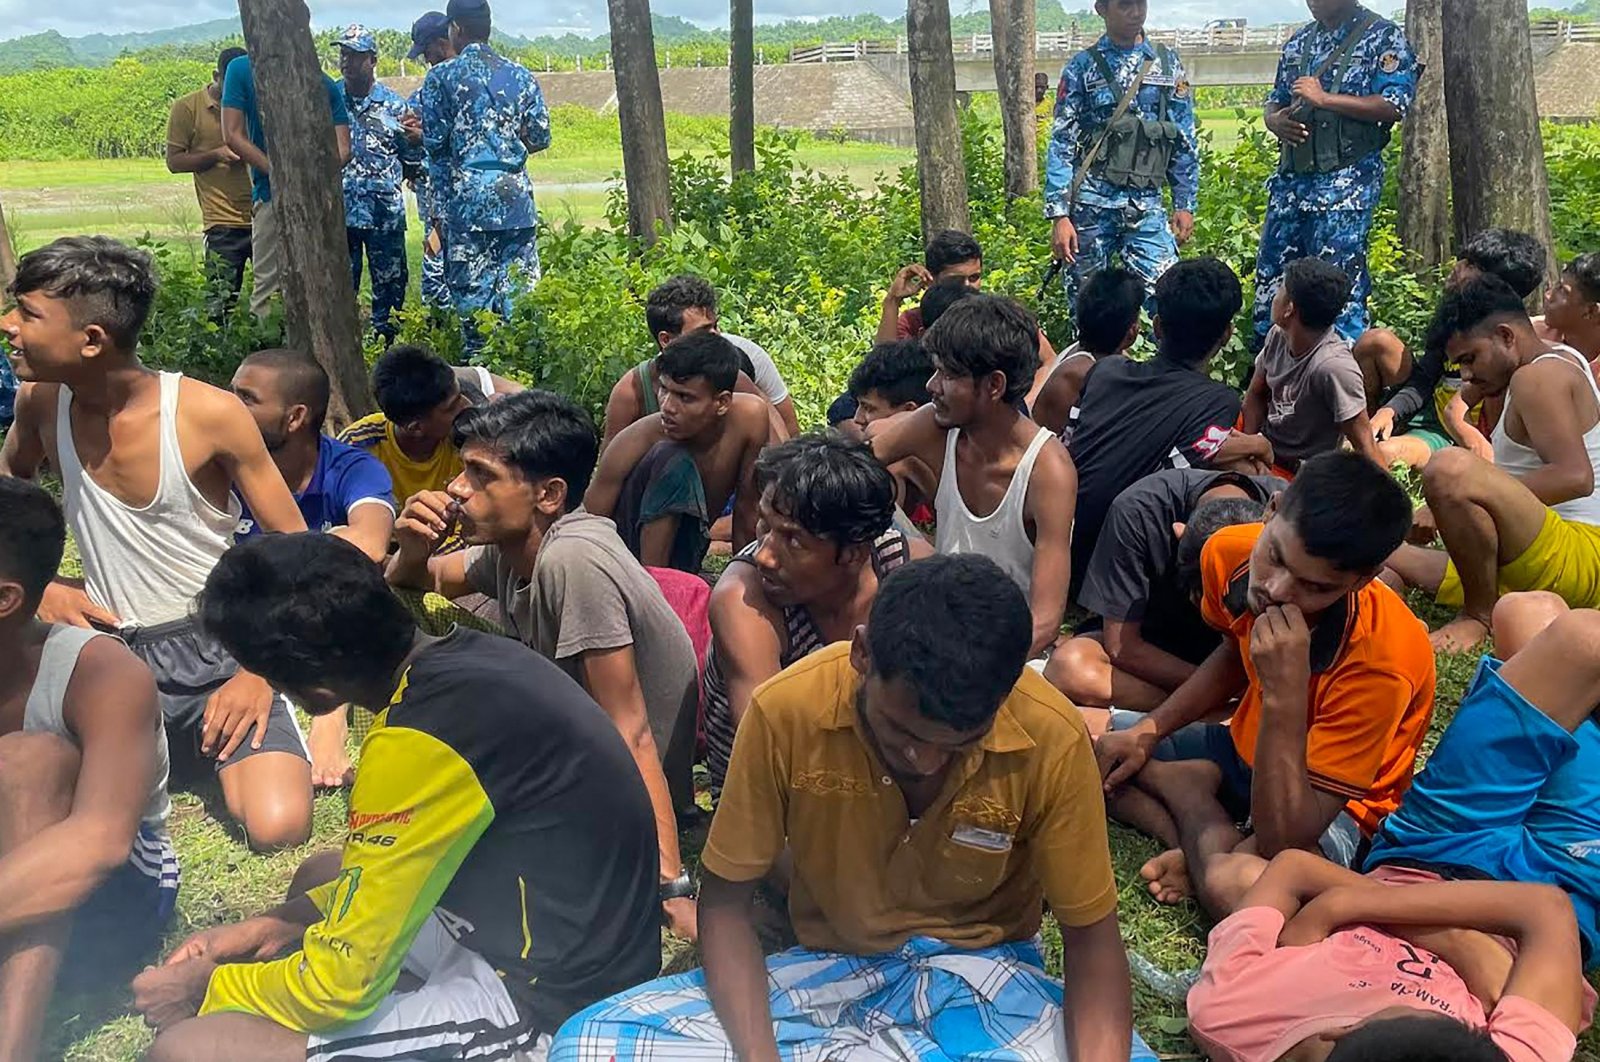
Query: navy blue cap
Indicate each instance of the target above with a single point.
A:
(432, 26)
(466, 8)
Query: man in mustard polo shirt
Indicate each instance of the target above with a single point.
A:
(221, 182)
(933, 794)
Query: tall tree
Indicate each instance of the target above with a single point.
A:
(742, 84)
(1425, 148)
(941, 166)
(319, 302)
(8, 255)
(644, 125)
(1497, 174)
(1012, 24)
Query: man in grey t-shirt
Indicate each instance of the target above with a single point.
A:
(568, 588)
(1307, 393)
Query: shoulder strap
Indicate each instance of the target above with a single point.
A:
(1099, 145)
(1342, 53)
(1098, 57)
(1165, 54)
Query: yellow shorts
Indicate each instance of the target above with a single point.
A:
(1564, 559)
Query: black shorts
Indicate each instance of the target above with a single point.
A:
(189, 667)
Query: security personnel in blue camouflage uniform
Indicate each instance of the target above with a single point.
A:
(1118, 208)
(1343, 82)
(384, 135)
(430, 42)
(482, 116)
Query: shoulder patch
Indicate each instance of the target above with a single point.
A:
(1389, 62)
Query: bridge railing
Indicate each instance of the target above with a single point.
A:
(1214, 38)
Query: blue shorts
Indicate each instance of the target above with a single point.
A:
(1507, 795)
(117, 930)
(1342, 842)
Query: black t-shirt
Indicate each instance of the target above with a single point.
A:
(1134, 418)
(1133, 574)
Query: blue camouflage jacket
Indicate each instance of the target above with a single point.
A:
(379, 152)
(482, 116)
(419, 174)
(1084, 104)
(1382, 64)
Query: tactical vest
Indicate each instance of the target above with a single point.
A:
(1336, 140)
(1137, 150)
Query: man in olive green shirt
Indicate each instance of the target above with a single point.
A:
(221, 181)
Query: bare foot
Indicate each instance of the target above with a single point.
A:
(1460, 635)
(1168, 877)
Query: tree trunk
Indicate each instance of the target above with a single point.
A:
(1425, 149)
(1011, 25)
(318, 301)
(644, 126)
(941, 165)
(742, 85)
(1497, 173)
(8, 256)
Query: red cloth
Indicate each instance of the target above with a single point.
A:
(690, 597)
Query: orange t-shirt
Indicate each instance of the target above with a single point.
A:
(1372, 678)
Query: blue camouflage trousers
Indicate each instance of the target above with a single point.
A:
(385, 251)
(1139, 236)
(435, 292)
(1338, 237)
(486, 271)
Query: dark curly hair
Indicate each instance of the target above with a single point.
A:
(829, 485)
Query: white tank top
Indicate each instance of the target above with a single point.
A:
(1001, 536)
(145, 564)
(1518, 460)
(44, 714)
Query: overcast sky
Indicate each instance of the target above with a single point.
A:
(73, 18)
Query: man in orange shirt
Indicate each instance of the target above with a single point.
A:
(1334, 678)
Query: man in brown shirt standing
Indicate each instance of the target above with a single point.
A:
(221, 182)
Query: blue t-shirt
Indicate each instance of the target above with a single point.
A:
(345, 477)
(239, 92)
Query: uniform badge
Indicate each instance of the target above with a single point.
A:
(1389, 63)
(1181, 89)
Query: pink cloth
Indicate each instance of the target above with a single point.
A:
(1255, 1000)
(690, 597)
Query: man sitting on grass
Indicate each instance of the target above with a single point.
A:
(1109, 304)
(419, 396)
(1530, 520)
(149, 465)
(1334, 676)
(807, 582)
(934, 794)
(567, 587)
(668, 475)
(340, 489)
(1143, 587)
(500, 870)
(676, 307)
(1506, 797)
(1306, 394)
(985, 457)
(87, 874)
(893, 379)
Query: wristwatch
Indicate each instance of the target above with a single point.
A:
(679, 888)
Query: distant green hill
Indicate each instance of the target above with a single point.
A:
(51, 49)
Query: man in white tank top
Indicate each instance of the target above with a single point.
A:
(148, 463)
(87, 874)
(983, 456)
(1530, 520)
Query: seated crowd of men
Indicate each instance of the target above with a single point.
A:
(905, 751)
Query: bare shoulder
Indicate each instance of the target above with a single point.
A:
(748, 413)
(35, 404)
(632, 443)
(738, 591)
(200, 402)
(1054, 483)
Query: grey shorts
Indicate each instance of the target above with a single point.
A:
(1342, 842)
(189, 667)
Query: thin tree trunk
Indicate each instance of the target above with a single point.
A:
(941, 165)
(1011, 25)
(1425, 151)
(644, 126)
(1497, 173)
(318, 300)
(8, 256)
(742, 85)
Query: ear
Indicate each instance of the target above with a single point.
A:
(1178, 529)
(724, 402)
(860, 655)
(95, 341)
(1271, 508)
(1227, 334)
(297, 417)
(550, 496)
(995, 385)
(11, 599)
(664, 337)
(855, 554)
(1132, 337)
